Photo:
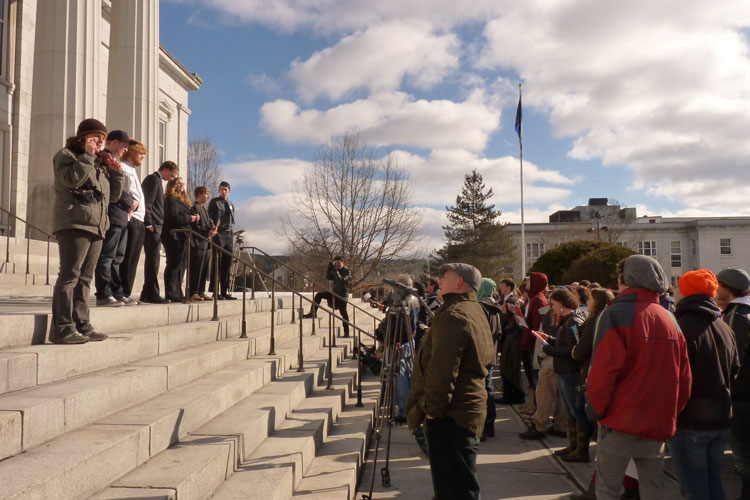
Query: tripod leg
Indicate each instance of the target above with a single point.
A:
(385, 473)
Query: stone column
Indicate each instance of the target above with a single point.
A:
(132, 88)
(66, 89)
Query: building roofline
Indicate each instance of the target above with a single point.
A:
(191, 80)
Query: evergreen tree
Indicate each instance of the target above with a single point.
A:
(474, 234)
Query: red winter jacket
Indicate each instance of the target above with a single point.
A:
(640, 374)
(537, 285)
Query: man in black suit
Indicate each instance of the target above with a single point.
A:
(198, 247)
(153, 192)
(221, 211)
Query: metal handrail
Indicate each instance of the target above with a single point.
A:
(28, 242)
(331, 314)
(314, 283)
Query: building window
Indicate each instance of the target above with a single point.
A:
(622, 243)
(162, 141)
(647, 248)
(676, 253)
(725, 246)
(534, 250)
(693, 248)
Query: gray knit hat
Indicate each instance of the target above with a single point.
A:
(469, 273)
(734, 278)
(641, 271)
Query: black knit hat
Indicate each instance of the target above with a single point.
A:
(118, 135)
(89, 126)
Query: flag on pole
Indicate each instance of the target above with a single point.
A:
(518, 118)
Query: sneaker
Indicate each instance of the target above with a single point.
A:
(72, 338)
(128, 301)
(109, 302)
(196, 298)
(206, 297)
(95, 336)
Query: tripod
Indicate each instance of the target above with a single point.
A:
(398, 328)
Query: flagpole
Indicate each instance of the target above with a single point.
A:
(523, 224)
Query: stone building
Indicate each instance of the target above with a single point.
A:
(680, 244)
(65, 60)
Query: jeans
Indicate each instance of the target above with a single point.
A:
(615, 451)
(489, 421)
(79, 252)
(403, 380)
(739, 440)
(108, 282)
(697, 458)
(566, 383)
(527, 358)
(453, 460)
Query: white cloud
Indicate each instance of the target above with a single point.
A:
(259, 216)
(389, 118)
(378, 59)
(264, 84)
(276, 175)
(662, 87)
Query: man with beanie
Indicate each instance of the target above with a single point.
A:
(135, 231)
(703, 426)
(86, 179)
(107, 278)
(734, 290)
(639, 380)
(448, 390)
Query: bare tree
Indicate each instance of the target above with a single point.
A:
(354, 203)
(203, 165)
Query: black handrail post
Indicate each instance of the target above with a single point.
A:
(216, 284)
(301, 356)
(252, 259)
(187, 273)
(330, 354)
(291, 288)
(243, 335)
(313, 311)
(272, 351)
(359, 369)
(332, 321)
(7, 243)
(28, 247)
(47, 281)
(353, 323)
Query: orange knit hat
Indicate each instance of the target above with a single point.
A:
(700, 281)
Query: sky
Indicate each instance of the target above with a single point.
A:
(643, 102)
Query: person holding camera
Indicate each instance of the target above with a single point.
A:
(85, 180)
(342, 284)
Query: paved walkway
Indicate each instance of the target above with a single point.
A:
(508, 467)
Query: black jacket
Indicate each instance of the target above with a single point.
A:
(153, 192)
(342, 280)
(566, 338)
(202, 226)
(176, 216)
(221, 212)
(713, 362)
(737, 316)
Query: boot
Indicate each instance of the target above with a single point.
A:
(589, 494)
(529, 407)
(572, 441)
(581, 453)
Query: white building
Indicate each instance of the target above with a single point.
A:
(65, 60)
(680, 244)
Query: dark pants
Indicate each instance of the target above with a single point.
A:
(697, 457)
(527, 358)
(489, 421)
(198, 269)
(225, 240)
(176, 251)
(453, 460)
(739, 440)
(133, 248)
(151, 242)
(566, 386)
(338, 304)
(79, 252)
(107, 280)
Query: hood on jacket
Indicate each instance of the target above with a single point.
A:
(486, 289)
(698, 303)
(641, 271)
(537, 283)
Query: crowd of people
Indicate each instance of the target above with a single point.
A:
(104, 217)
(644, 373)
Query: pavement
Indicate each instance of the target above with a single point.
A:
(508, 467)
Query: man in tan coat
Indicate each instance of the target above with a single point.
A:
(448, 384)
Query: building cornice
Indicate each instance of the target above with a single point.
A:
(168, 62)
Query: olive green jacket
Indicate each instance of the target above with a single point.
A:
(83, 171)
(451, 366)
